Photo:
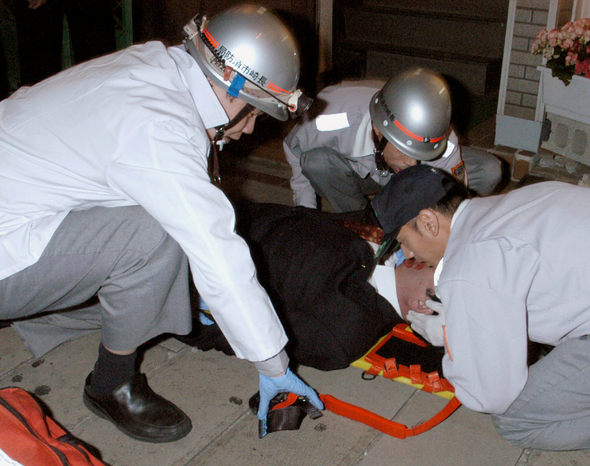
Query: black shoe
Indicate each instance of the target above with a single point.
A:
(139, 412)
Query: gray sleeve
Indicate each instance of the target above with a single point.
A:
(303, 192)
(275, 366)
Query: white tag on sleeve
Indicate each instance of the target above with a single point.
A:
(332, 122)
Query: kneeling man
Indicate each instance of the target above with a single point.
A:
(508, 267)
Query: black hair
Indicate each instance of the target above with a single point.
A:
(456, 194)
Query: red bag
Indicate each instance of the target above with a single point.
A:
(29, 436)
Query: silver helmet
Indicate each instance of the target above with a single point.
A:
(413, 112)
(248, 51)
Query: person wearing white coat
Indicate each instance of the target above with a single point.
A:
(509, 268)
(105, 193)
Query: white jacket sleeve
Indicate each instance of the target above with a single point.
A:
(486, 326)
(165, 171)
(303, 192)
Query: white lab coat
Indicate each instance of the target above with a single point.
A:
(515, 264)
(125, 129)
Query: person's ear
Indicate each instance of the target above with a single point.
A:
(428, 223)
(377, 132)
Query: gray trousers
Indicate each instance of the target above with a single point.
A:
(121, 257)
(484, 170)
(553, 410)
(333, 178)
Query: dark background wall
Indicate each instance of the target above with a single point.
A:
(462, 39)
(151, 20)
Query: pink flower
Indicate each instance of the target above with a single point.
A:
(566, 50)
(583, 68)
(571, 58)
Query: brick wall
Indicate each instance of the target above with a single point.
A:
(523, 77)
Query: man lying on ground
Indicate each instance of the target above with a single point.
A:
(321, 277)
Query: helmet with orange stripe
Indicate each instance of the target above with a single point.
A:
(248, 51)
(413, 112)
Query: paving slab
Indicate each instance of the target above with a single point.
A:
(58, 377)
(554, 458)
(466, 438)
(328, 440)
(12, 350)
(213, 390)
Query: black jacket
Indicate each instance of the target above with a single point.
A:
(316, 273)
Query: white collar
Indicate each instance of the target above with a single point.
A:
(383, 279)
(449, 150)
(439, 266)
(207, 104)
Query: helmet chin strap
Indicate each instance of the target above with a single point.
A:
(380, 162)
(378, 153)
(218, 143)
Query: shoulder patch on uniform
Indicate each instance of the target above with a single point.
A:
(459, 171)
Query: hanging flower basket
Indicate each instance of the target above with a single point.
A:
(567, 49)
(571, 101)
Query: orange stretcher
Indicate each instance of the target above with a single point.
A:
(378, 362)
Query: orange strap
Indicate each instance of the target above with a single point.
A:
(387, 426)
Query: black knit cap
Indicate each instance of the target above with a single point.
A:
(411, 190)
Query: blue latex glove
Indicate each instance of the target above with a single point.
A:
(203, 305)
(272, 386)
(399, 257)
(203, 317)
